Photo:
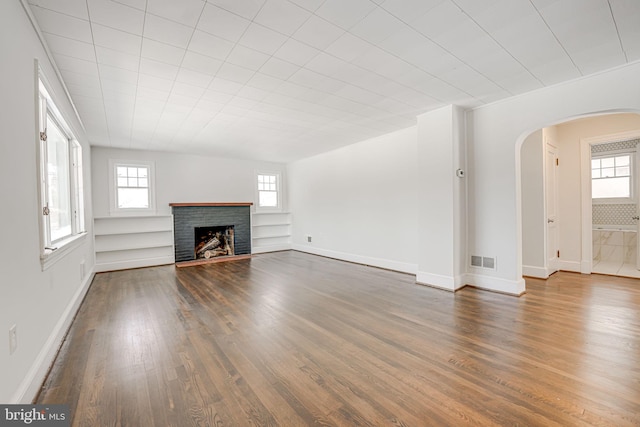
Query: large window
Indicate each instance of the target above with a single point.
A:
(61, 189)
(131, 187)
(268, 191)
(611, 176)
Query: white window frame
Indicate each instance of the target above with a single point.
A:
(633, 177)
(113, 187)
(277, 208)
(52, 250)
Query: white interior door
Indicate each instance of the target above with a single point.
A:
(551, 180)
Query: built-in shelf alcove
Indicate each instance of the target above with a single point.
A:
(231, 220)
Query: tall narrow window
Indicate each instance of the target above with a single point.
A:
(61, 198)
(268, 191)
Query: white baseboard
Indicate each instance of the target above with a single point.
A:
(359, 259)
(586, 267)
(135, 263)
(270, 248)
(496, 284)
(30, 385)
(538, 272)
(574, 266)
(449, 283)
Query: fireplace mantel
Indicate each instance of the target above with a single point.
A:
(212, 204)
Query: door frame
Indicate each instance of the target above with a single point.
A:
(586, 263)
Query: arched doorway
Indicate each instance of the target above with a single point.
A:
(573, 222)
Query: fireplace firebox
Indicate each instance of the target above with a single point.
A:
(214, 242)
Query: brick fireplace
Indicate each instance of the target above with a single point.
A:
(211, 232)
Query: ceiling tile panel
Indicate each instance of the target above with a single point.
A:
(235, 73)
(264, 82)
(310, 5)
(247, 8)
(345, 14)
(116, 39)
(138, 4)
(377, 26)
(162, 52)
(591, 18)
(318, 33)
(201, 63)
(77, 65)
(221, 23)
(408, 10)
(194, 78)
(166, 31)
(278, 68)
(117, 59)
(347, 47)
(247, 58)
(282, 16)
(75, 8)
(207, 44)
(70, 47)
(262, 39)
(186, 12)
(156, 83)
(63, 25)
(118, 74)
(296, 52)
(158, 69)
(116, 15)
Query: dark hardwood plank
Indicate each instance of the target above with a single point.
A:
(291, 339)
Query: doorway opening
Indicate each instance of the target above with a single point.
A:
(558, 215)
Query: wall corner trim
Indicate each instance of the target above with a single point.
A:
(30, 385)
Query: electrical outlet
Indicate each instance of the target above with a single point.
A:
(13, 339)
(309, 239)
(81, 270)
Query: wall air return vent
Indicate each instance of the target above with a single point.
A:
(483, 262)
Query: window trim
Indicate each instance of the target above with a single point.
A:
(278, 176)
(633, 178)
(114, 210)
(51, 251)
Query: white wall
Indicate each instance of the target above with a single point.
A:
(568, 137)
(359, 202)
(441, 249)
(533, 206)
(38, 302)
(183, 178)
(496, 132)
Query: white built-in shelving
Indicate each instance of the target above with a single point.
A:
(133, 241)
(270, 231)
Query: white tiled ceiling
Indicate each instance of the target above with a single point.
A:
(279, 80)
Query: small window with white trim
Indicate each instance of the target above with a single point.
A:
(268, 191)
(611, 177)
(131, 187)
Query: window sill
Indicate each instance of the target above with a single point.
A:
(49, 257)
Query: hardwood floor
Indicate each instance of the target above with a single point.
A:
(293, 339)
